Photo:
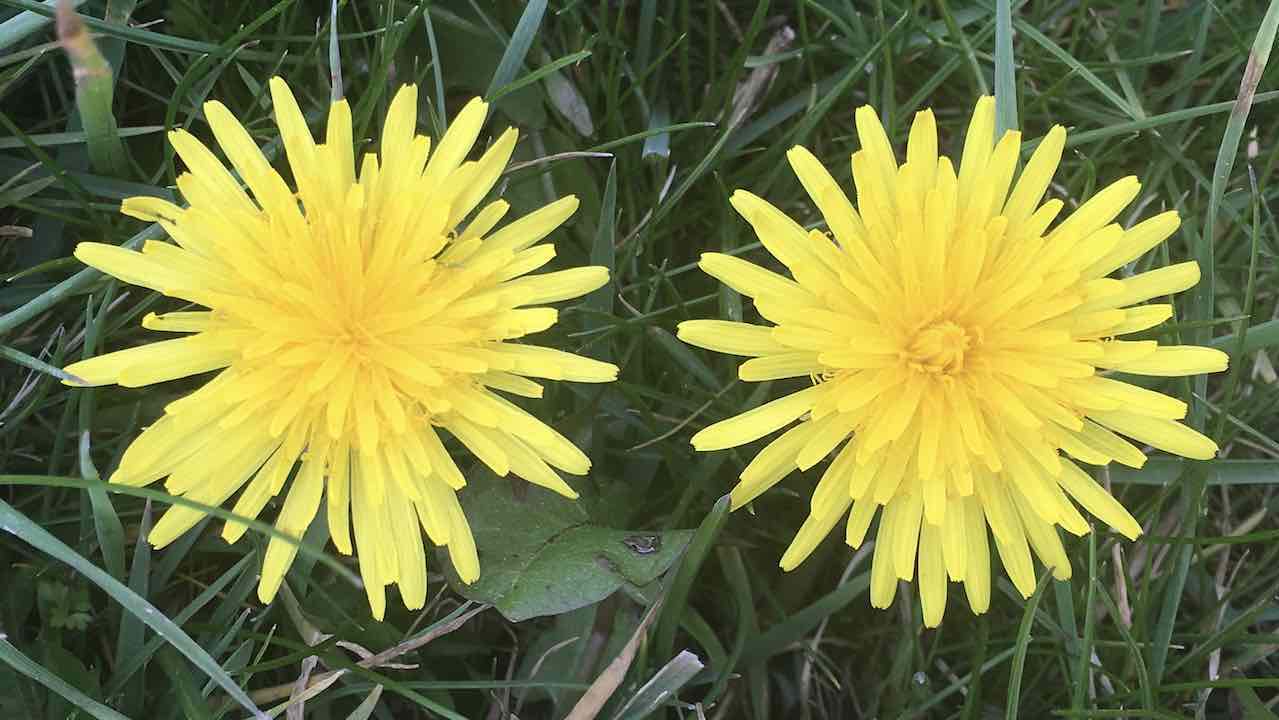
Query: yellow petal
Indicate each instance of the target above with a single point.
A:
(299, 509)
(1137, 241)
(1097, 501)
(1177, 360)
(978, 143)
(816, 527)
(932, 575)
(771, 464)
(977, 577)
(1164, 434)
(830, 199)
(456, 143)
(1154, 283)
(153, 363)
(733, 338)
(753, 280)
(1034, 180)
(859, 522)
(755, 423)
(531, 228)
(1141, 318)
(555, 286)
(883, 579)
(462, 545)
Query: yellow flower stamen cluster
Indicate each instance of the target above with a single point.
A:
(350, 321)
(963, 347)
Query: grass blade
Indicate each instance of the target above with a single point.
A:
(517, 49)
(1005, 79)
(662, 687)
(603, 253)
(18, 27)
(1021, 648)
(784, 634)
(365, 709)
(14, 658)
(218, 512)
(24, 529)
(94, 93)
(72, 285)
(36, 364)
(1202, 304)
(1077, 67)
(129, 640)
(681, 585)
(137, 660)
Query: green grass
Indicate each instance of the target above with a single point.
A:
(1182, 623)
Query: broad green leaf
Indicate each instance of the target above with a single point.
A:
(540, 554)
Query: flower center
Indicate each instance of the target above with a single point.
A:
(357, 339)
(938, 348)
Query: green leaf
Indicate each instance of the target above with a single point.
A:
(540, 554)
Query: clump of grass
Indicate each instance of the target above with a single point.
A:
(690, 100)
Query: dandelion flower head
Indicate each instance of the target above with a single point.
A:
(961, 352)
(350, 321)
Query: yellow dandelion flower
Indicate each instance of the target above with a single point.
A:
(350, 322)
(959, 346)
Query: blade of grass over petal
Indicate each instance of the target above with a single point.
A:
(218, 512)
(106, 522)
(35, 364)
